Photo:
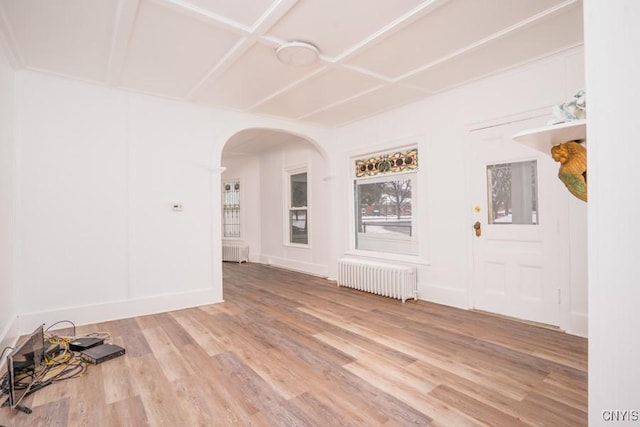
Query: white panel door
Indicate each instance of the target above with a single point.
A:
(515, 226)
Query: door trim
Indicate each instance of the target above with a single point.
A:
(565, 315)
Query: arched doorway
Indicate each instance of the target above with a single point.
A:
(275, 199)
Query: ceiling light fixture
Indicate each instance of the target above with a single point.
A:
(298, 54)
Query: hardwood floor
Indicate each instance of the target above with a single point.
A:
(290, 349)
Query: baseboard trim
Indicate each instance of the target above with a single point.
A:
(95, 313)
(293, 265)
(578, 324)
(8, 338)
(457, 298)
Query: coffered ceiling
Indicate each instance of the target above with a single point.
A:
(374, 55)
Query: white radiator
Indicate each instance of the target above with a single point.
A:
(235, 251)
(391, 280)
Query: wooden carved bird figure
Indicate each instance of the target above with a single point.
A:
(573, 167)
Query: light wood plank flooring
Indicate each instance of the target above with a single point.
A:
(291, 349)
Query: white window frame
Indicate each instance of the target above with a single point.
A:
(415, 209)
(288, 208)
(240, 213)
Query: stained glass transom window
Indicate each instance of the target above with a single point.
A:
(385, 204)
(399, 161)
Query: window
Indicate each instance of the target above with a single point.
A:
(512, 193)
(231, 209)
(385, 206)
(298, 210)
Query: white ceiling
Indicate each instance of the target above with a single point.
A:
(374, 54)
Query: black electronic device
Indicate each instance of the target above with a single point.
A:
(25, 365)
(80, 344)
(101, 353)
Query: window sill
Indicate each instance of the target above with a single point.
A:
(381, 256)
(298, 245)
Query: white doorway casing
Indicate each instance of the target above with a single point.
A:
(525, 271)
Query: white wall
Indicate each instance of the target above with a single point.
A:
(263, 220)
(73, 196)
(612, 38)
(439, 125)
(577, 320)
(315, 257)
(8, 310)
(99, 170)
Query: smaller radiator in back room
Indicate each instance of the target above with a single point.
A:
(390, 280)
(235, 252)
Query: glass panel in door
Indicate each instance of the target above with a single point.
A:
(512, 193)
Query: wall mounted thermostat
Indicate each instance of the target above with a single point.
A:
(177, 207)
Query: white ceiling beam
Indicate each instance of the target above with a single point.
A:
(394, 26)
(342, 101)
(221, 66)
(272, 15)
(205, 16)
(497, 35)
(288, 87)
(8, 40)
(126, 14)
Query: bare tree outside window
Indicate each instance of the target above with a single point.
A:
(512, 193)
(384, 214)
(399, 193)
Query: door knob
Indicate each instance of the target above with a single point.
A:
(478, 228)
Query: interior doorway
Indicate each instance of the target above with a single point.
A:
(270, 168)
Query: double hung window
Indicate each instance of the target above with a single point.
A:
(298, 208)
(385, 204)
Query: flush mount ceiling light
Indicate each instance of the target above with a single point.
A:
(298, 54)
